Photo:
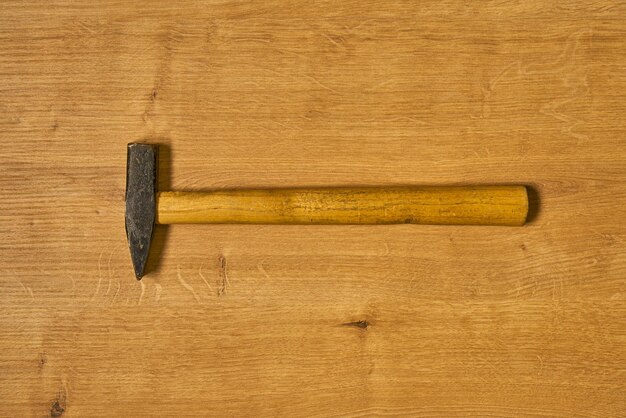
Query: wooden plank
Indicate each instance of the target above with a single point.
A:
(249, 320)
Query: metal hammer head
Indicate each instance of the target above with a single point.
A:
(141, 189)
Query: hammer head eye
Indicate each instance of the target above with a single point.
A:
(141, 189)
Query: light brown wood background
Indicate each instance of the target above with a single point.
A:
(321, 320)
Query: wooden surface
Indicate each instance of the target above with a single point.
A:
(318, 320)
(448, 205)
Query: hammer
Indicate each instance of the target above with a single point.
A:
(425, 205)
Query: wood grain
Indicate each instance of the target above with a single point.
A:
(247, 320)
(443, 205)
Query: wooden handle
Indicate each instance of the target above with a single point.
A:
(479, 205)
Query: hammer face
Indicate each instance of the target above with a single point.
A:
(141, 189)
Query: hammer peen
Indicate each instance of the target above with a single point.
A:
(426, 205)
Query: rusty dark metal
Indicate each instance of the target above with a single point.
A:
(141, 190)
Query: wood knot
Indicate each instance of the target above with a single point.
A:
(59, 405)
(42, 360)
(358, 324)
(57, 410)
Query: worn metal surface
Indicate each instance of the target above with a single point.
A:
(141, 188)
